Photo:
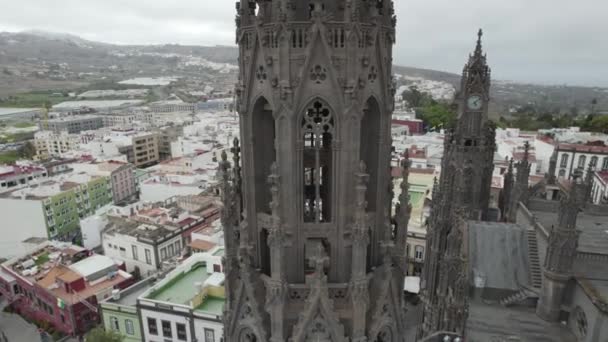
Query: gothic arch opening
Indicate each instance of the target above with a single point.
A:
(247, 335)
(385, 335)
(318, 129)
(369, 149)
(264, 154)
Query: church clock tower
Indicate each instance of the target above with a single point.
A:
(311, 250)
(463, 194)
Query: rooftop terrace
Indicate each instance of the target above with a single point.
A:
(187, 286)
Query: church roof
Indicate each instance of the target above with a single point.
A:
(594, 230)
(494, 322)
(498, 257)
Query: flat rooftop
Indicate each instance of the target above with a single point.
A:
(150, 231)
(128, 296)
(212, 305)
(12, 111)
(181, 289)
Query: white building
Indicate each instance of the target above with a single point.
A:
(572, 157)
(599, 191)
(187, 305)
(143, 247)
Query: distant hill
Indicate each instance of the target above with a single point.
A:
(40, 60)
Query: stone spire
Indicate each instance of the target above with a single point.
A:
(507, 191)
(552, 174)
(464, 185)
(520, 188)
(561, 250)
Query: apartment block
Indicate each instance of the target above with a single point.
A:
(144, 151)
(121, 175)
(51, 144)
(74, 124)
(52, 209)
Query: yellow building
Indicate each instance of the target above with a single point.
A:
(421, 189)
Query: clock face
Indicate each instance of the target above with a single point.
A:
(475, 102)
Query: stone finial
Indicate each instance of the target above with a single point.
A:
(526, 151)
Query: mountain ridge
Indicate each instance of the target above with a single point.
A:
(25, 54)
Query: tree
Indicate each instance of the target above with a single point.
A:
(413, 96)
(600, 124)
(438, 115)
(101, 335)
(28, 150)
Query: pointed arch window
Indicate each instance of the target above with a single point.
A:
(318, 129)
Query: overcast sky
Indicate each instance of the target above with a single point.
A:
(542, 41)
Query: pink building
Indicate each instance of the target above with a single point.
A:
(61, 284)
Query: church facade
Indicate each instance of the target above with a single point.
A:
(312, 250)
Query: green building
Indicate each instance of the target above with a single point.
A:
(51, 208)
(119, 312)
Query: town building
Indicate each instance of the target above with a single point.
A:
(172, 106)
(61, 284)
(73, 124)
(120, 174)
(19, 175)
(118, 119)
(578, 157)
(119, 312)
(317, 257)
(599, 190)
(152, 237)
(19, 113)
(166, 136)
(96, 105)
(144, 151)
(51, 144)
(52, 208)
(188, 304)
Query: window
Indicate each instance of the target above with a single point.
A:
(167, 329)
(177, 247)
(163, 254)
(181, 332)
(129, 327)
(594, 161)
(209, 335)
(564, 162)
(318, 134)
(419, 253)
(171, 251)
(123, 252)
(134, 251)
(148, 257)
(152, 327)
(114, 323)
(581, 161)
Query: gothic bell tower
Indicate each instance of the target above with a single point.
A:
(463, 195)
(311, 253)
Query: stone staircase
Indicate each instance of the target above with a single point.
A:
(536, 277)
(524, 295)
